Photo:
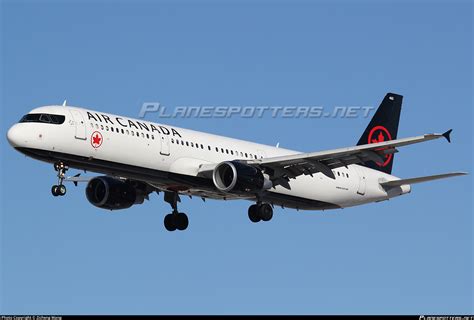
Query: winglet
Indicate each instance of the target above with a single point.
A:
(447, 135)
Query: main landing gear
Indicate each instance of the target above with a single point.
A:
(60, 188)
(175, 220)
(260, 212)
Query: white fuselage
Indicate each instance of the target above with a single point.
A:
(169, 158)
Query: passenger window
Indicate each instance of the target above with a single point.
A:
(187, 144)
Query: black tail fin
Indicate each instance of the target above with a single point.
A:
(383, 127)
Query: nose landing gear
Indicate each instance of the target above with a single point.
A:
(60, 188)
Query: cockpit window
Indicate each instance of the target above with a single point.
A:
(44, 118)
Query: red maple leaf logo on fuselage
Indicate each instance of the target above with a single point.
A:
(96, 139)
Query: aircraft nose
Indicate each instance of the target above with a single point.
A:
(13, 136)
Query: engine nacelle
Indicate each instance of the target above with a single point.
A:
(235, 176)
(113, 194)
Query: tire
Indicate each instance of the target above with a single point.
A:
(265, 211)
(169, 222)
(182, 221)
(61, 190)
(54, 190)
(253, 213)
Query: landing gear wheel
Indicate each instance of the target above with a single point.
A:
(170, 222)
(182, 221)
(265, 211)
(61, 190)
(54, 190)
(175, 220)
(254, 214)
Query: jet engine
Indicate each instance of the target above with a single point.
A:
(238, 177)
(113, 194)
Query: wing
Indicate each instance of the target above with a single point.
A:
(281, 169)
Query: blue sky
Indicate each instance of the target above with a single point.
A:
(413, 254)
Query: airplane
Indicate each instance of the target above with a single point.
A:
(137, 157)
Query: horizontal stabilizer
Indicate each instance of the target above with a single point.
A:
(447, 135)
(397, 183)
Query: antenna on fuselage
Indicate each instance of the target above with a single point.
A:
(64, 103)
(278, 145)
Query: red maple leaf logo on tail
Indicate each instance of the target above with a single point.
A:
(380, 134)
(380, 138)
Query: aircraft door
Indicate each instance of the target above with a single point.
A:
(362, 179)
(80, 132)
(165, 144)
